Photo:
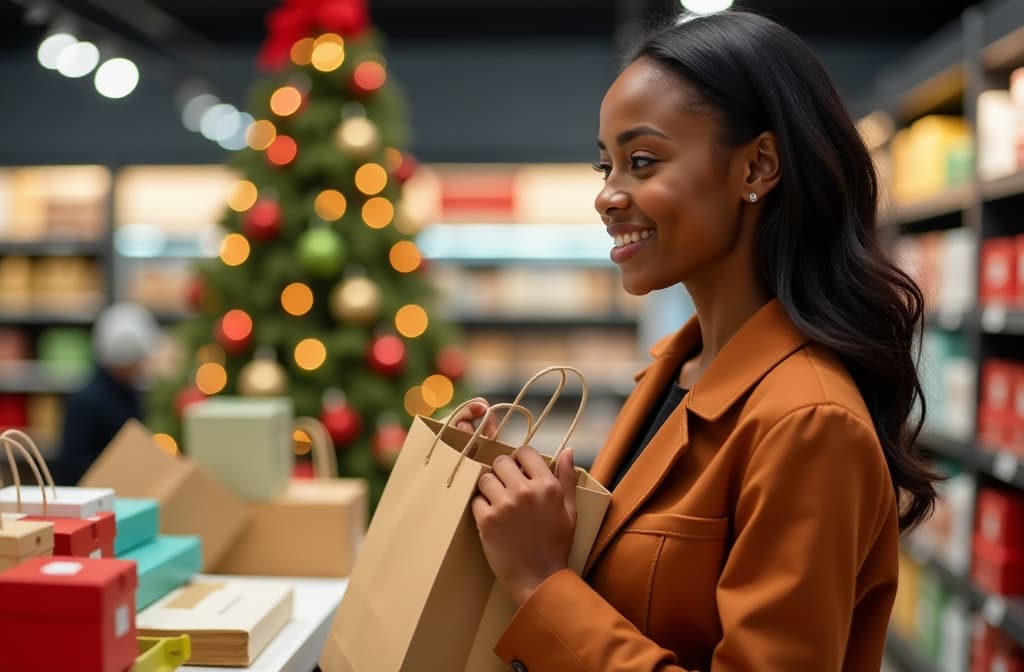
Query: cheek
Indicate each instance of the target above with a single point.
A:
(695, 218)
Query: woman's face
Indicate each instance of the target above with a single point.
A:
(671, 199)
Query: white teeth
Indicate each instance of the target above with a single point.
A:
(632, 237)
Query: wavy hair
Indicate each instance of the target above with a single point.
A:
(819, 248)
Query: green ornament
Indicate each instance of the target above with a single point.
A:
(321, 252)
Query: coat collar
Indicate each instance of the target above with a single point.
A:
(766, 339)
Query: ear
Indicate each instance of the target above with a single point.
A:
(762, 166)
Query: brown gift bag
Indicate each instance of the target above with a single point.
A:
(190, 501)
(23, 539)
(313, 528)
(421, 596)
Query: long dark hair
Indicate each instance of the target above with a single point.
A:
(819, 250)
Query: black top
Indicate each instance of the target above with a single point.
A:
(670, 398)
(93, 417)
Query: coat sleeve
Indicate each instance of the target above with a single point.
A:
(814, 497)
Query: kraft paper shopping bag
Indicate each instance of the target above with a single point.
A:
(421, 596)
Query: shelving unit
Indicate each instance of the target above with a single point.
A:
(944, 76)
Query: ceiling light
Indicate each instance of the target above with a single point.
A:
(706, 6)
(50, 48)
(116, 78)
(78, 60)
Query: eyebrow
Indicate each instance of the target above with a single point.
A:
(632, 133)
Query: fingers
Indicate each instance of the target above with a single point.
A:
(491, 487)
(566, 473)
(508, 471)
(534, 465)
(464, 418)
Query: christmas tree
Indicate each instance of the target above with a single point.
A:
(318, 292)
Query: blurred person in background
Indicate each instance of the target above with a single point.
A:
(124, 336)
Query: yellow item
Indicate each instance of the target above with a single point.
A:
(162, 654)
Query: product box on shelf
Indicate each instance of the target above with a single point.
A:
(1000, 517)
(932, 596)
(999, 422)
(163, 565)
(998, 273)
(998, 569)
(191, 502)
(138, 523)
(106, 521)
(68, 614)
(904, 616)
(70, 502)
(245, 443)
(75, 537)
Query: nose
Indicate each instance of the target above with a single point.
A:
(610, 199)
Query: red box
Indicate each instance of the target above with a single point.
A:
(107, 524)
(995, 429)
(982, 635)
(998, 380)
(13, 410)
(999, 520)
(998, 281)
(998, 569)
(1019, 241)
(74, 537)
(68, 614)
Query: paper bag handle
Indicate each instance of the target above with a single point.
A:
(584, 395)
(325, 462)
(479, 430)
(9, 441)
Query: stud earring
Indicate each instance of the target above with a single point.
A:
(752, 197)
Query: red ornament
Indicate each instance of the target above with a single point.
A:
(406, 168)
(303, 469)
(234, 332)
(387, 443)
(263, 220)
(194, 294)
(186, 397)
(282, 151)
(451, 362)
(387, 355)
(367, 77)
(343, 423)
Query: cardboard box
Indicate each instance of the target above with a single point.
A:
(314, 528)
(68, 614)
(163, 565)
(190, 501)
(245, 443)
(21, 540)
(138, 523)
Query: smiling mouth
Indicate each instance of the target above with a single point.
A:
(634, 237)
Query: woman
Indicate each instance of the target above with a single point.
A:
(763, 466)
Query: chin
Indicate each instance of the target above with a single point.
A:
(636, 286)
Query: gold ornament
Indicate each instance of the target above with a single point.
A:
(262, 378)
(355, 300)
(357, 137)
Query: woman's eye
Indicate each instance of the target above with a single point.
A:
(603, 168)
(640, 162)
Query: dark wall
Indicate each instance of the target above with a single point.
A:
(470, 101)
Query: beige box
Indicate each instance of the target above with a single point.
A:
(313, 528)
(245, 443)
(190, 501)
(23, 539)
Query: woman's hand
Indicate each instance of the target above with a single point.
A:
(526, 516)
(463, 418)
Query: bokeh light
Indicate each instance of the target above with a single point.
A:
(234, 249)
(242, 196)
(211, 378)
(378, 212)
(371, 178)
(302, 444)
(297, 299)
(438, 390)
(78, 59)
(369, 75)
(285, 101)
(116, 78)
(50, 48)
(166, 443)
(405, 257)
(392, 159)
(236, 325)
(411, 320)
(310, 354)
(282, 150)
(260, 134)
(329, 205)
(416, 404)
(302, 51)
(328, 52)
(358, 133)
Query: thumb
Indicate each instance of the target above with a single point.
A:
(567, 477)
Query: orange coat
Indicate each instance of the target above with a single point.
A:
(757, 530)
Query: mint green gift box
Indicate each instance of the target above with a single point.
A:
(166, 563)
(138, 523)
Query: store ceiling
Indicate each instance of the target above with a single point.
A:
(241, 20)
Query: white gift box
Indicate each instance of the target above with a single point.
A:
(70, 502)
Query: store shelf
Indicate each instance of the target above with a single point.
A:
(53, 248)
(1003, 187)
(950, 320)
(1000, 464)
(48, 318)
(953, 580)
(539, 322)
(1002, 320)
(508, 391)
(37, 378)
(1006, 614)
(947, 447)
(904, 655)
(949, 202)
